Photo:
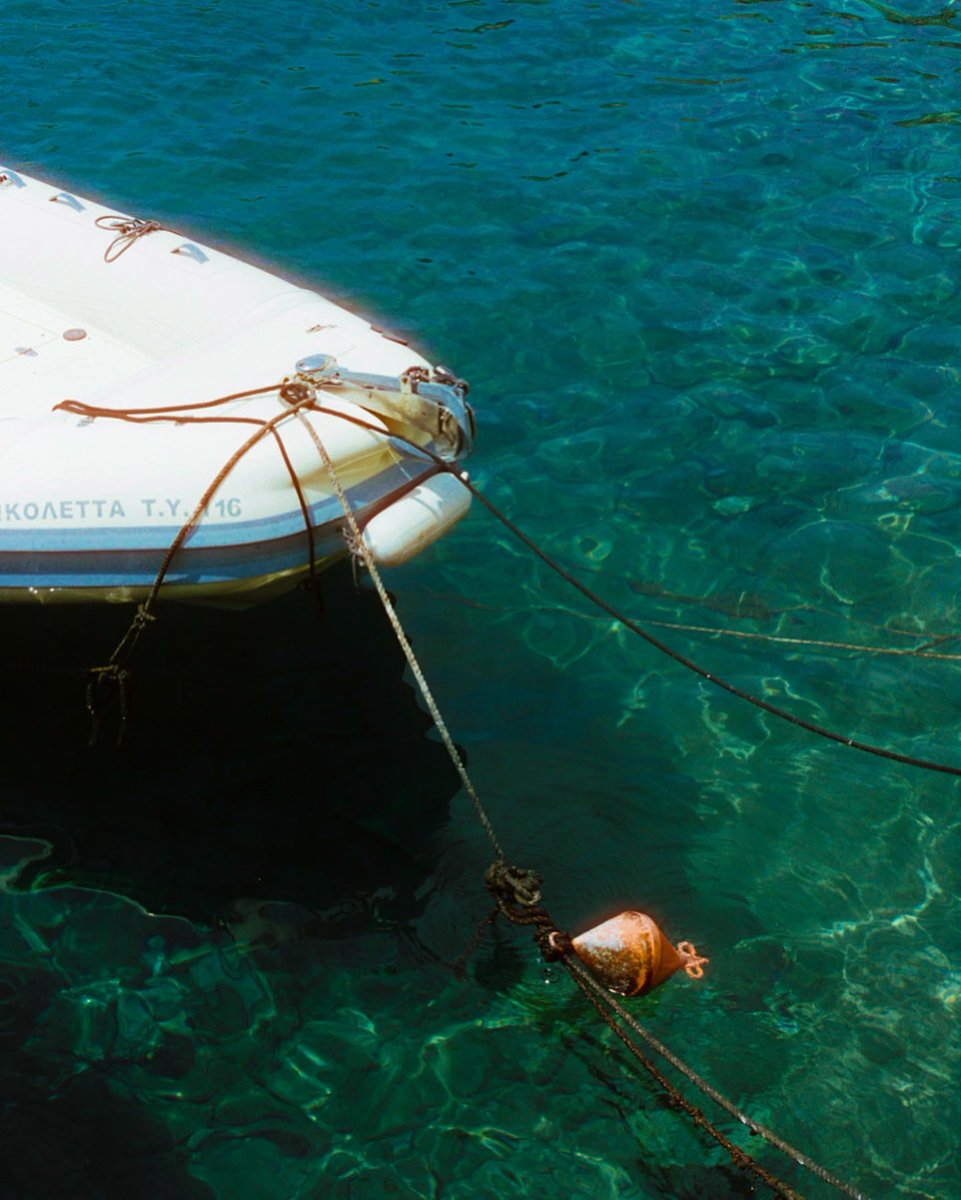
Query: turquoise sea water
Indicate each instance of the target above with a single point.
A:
(701, 265)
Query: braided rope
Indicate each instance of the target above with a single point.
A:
(587, 982)
(360, 548)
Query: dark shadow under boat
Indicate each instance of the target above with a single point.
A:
(269, 755)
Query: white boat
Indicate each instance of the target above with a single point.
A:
(166, 408)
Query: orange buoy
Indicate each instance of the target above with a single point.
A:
(630, 955)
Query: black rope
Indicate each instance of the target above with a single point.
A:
(773, 709)
(811, 726)
(517, 894)
(169, 412)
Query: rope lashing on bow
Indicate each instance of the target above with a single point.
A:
(183, 412)
(128, 230)
(116, 672)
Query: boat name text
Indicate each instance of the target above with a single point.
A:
(151, 507)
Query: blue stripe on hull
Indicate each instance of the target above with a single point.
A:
(131, 556)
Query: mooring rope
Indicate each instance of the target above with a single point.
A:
(678, 1100)
(866, 648)
(820, 643)
(775, 711)
(359, 547)
(519, 895)
(180, 413)
(631, 625)
(556, 946)
(518, 891)
(589, 984)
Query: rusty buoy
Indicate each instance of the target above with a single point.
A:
(630, 954)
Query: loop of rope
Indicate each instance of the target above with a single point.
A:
(517, 894)
(128, 230)
(516, 885)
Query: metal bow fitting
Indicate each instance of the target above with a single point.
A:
(433, 401)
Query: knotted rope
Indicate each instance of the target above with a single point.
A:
(517, 894)
(694, 963)
(116, 673)
(173, 412)
(128, 230)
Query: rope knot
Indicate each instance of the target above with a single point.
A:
(142, 617)
(127, 230)
(296, 391)
(111, 673)
(554, 944)
(517, 893)
(515, 886)
(693, 962)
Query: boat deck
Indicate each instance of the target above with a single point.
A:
(46, 357)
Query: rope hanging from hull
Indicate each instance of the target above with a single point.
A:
(185, 413)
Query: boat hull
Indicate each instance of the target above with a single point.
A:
(157, 427)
